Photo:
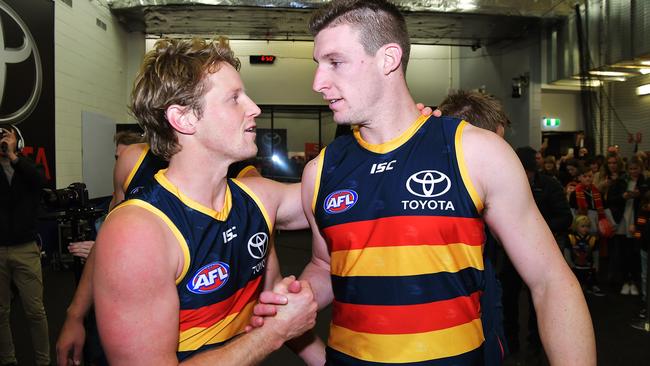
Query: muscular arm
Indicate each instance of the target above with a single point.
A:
(71, 339)
(137, 303)
(317, 271)
(282, 199)
(69, 345)
(510, 211)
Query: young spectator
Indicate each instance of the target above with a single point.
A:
(581, 252)
(586, 200)
(626, 192)
(641, 233)
(568, 175)
(610, 172)
(596, 163)
(550, 167)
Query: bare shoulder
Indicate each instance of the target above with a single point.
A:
(130, 230)
(127, 160)
(489, 158)
(266, 190)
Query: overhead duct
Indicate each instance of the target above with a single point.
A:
(441, 22)
(530, 8)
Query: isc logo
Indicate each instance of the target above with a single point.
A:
(340, 201)
(382, 167)
(209, 278)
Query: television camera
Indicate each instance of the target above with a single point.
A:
(76, 216)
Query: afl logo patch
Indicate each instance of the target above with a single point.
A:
(209, 278)
(340, 201)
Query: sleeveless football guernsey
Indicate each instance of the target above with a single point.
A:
(403, 227)
(225, 257)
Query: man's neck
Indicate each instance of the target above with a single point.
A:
(392, 117)
(202, 179)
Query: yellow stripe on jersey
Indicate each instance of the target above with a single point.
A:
(394, 143)
(129, 178)
(225, 329)
(406, 260)
(319, 170)
(460, 156)
(247, 168)
(402, 348)
(257, 200)
(181, 240)
(217, 215)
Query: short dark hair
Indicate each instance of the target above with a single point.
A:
(378, 21)
(481, 110)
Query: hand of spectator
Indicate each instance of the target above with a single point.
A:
(427, 111)
(631, 229)
(571, 187)
(81, 248)
(11, 142)
(544, 145)
(268, 300)
(69, 346)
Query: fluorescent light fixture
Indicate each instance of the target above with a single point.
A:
(643, 90)
(608, 73)
(644, 71)
(466, 5)
(576, 82)
(647, 63)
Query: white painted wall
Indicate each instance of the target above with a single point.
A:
(91, 68)
(431, 72)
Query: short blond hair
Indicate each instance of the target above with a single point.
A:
(174, 72)
(580, 220)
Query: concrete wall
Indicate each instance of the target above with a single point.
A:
(564, 105)
(493, 69)
(92, 66)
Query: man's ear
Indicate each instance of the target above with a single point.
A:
(392, 57)
(181, 118)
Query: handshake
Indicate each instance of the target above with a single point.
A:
(290, 309)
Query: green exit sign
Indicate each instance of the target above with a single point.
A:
(551, 122)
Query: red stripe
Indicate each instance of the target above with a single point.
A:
(407, 319)
(209, 315)
(405, 230)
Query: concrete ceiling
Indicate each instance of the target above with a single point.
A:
(443, 22)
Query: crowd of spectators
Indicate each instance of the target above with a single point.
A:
(609, 198)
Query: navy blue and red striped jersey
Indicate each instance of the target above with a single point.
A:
(403, 226)
(225, 257)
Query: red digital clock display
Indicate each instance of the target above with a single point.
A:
(261, 59)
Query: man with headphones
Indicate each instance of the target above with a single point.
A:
(20, 263)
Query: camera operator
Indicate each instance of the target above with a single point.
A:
(122, 140)
(20, 188)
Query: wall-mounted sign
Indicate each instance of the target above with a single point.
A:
(550, 122)
(261, 59)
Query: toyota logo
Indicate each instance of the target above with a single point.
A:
(271, 138)
(257, 245)
(428, 183)
(18, 55)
